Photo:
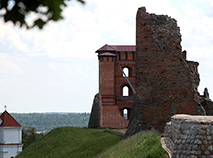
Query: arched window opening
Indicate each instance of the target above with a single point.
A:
(125, 91)
(126, 71)
(125, 113)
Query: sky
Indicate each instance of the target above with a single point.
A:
(56, 69)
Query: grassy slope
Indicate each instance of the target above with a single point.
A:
(141, 145)
(71, 142)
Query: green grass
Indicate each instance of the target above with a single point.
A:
(141, 145)
(71, 142)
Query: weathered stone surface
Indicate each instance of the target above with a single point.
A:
(94, 120)
(206, 102)
(166, 83)
(197, 145)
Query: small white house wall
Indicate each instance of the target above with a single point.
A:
(8, 151)
(1, 136)
(10, 135)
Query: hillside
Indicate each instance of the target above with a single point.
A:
(49, 121)
(71, 142)
(141, 145)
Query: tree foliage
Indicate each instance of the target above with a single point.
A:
(49, 121)
(19, 11)
(29, 136)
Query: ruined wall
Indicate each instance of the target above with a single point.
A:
(166, 83)
(189, 136)
(94, 120)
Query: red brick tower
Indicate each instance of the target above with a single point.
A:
(116, 90)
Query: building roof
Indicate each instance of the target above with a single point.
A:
(8, 121)
(118, 48)
(107, 54)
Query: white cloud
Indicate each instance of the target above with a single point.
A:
(196, 30)
(57, 55)
(12, 38)
(52, 83)
(52, 66)
(9, 66)
(84, 30)
(23, 59)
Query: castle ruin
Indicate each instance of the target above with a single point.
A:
(165, 81)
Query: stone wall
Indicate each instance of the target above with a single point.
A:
(189, 136)
(94, 120)
(166, 82)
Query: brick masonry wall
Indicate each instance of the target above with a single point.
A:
(166, 83)
(111, 82)
(112, 118)
(189, 136)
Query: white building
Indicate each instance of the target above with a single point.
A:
(10, 136)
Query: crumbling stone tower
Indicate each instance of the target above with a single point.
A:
(166, 83)
(116, 91)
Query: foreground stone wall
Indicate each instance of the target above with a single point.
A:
(189, 136)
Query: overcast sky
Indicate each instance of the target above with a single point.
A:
(56, 69)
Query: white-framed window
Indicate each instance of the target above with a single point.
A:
(126, 71)
(125, 91)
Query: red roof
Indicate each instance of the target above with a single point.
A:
(118, 48)
(106, 48)
(107, 54)
(8, 120)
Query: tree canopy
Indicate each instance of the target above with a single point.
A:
(48, 121)
(40, 12)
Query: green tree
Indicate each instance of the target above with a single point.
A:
(18, 11)
(29, 136)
